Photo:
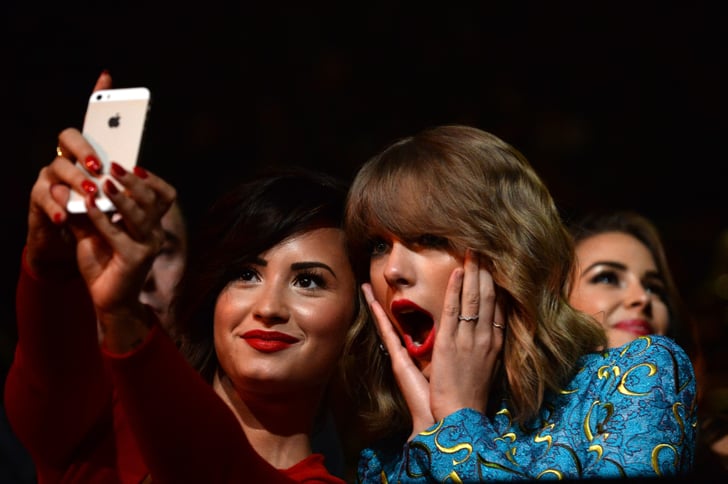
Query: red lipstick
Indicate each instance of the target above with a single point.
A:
(416, 327)
(268, 341)
(640, 327)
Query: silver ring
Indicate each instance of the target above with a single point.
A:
(499, 326)
(467, 318)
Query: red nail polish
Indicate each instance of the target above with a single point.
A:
(57, 218)
(110, 187)
(89, 187)
(140, 172)
(93, 165)
(117, 169)
(91, 200)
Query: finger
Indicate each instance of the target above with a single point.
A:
(103, 82)
(75, 147)
(487, 296)
(448, 323)
(51, 189)
(388, 335)
(144, 199)
(147, 189)
(100, 219)
(499, 323)
(470, 295)
(119, 239)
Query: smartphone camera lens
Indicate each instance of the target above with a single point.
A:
(98, 97)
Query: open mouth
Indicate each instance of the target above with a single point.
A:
(417, 328)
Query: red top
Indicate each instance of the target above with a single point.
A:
(89, 416)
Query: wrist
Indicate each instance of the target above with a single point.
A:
(125, 330)
(47, 268)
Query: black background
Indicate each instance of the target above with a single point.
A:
(616, 104)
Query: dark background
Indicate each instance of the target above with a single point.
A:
(616, 104)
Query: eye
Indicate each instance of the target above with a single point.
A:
(167, 250)
(605, 277)
(248, 274)
(432, 241)
(310, 280)
(657, 288)
(378, 246)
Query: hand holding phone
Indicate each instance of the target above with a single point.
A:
(114, 126)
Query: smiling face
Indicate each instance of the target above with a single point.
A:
(617, 281)
(280, 325)
(409, 279)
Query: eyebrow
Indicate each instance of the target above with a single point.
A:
(311, 265)
(621, 267)
(299, 266)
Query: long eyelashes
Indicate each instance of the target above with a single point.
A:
(311, 280)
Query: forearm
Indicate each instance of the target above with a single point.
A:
(56, 387)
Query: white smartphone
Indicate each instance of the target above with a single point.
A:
(114, 126)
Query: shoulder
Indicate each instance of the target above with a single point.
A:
(646, 360)
(652, 348)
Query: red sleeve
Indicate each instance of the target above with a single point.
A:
(313, 470)
(184, 430)
(56, 389)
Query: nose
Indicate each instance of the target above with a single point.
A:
(270, 305)
(398, 270)
(637, 295)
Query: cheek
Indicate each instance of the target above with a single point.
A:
(167, 272)
(230, 308)
(660, 317)
(328, 321)
(377, 280)
(587, 298)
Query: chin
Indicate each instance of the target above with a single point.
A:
(618, 337)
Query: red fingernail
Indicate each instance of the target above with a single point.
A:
(117, 169)
(110, 187)
(93, 165)
(57, 218)
(91, 200)
(140, 172)
(89, 186)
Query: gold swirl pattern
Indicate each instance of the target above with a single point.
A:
(655, 454)
(600, 425)
(454, 448)
(545, 438)
(629, 412)
(622, 388)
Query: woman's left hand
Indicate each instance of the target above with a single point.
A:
(468, 341)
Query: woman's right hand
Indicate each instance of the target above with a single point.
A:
(410, 380)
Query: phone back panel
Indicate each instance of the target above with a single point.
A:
(114, 126)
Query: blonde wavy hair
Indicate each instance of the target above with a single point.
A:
(478, 192)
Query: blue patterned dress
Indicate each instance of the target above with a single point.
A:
(628, 412)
